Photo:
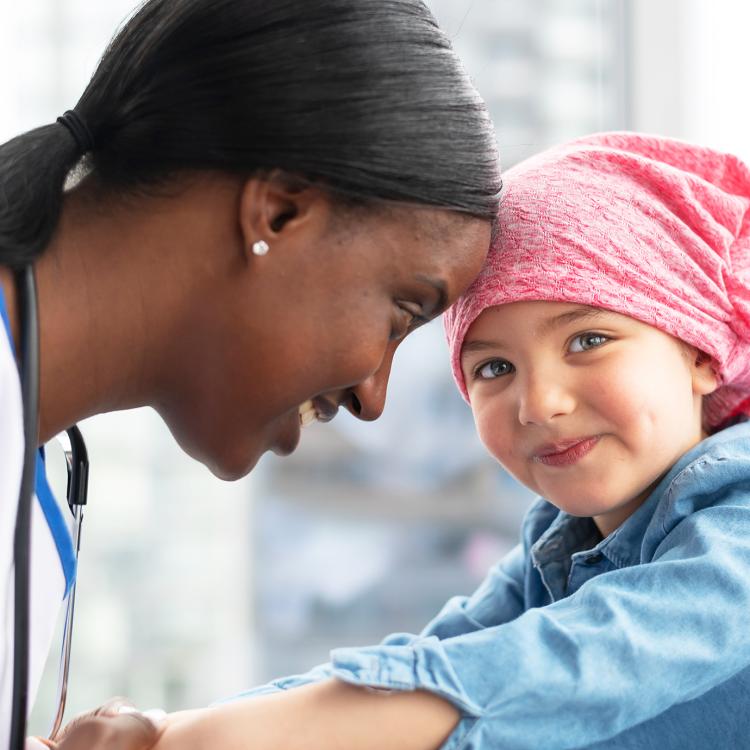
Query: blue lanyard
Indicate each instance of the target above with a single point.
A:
(52, 511)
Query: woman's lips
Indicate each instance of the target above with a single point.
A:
(318, 409)
(566, 452)
(307, 414)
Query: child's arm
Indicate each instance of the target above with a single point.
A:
(329, 715)
(627, 646)
(312, 707)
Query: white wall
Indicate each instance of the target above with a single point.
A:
(690, 68)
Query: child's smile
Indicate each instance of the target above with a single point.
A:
(586, 407)
(565, 452)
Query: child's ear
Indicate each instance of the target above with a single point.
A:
(705, 380)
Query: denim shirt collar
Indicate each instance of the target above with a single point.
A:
(567, 536)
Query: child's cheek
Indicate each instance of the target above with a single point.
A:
(625, 400)
(610, 391)
(495, 432)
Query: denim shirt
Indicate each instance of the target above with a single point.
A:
(639, 640)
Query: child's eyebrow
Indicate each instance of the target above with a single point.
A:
(477, 346)
(572, 316)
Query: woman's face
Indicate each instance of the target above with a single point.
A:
(313, 325)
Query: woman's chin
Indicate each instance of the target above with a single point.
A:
(232, 456)
(235, 459)
(232, 471)
(228, 460)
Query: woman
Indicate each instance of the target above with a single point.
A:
(248, 209)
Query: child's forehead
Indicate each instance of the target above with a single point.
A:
(666, 243)
(530, 318)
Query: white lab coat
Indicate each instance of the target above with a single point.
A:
(52, 561)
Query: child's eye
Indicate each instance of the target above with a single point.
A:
(586, 341)
(493, 369)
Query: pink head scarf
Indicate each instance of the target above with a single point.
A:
(649, 227)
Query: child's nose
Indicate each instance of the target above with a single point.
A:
(542, 399)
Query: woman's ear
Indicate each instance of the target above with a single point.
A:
(273, 207)
(705, 379)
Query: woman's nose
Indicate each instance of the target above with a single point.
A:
(541, 399)
(366, 400)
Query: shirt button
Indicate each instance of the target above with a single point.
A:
(597, 557)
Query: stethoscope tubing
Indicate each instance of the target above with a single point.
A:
(29, 372)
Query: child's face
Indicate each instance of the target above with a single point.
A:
(587, 407)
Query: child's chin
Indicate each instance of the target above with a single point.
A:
(582, 508)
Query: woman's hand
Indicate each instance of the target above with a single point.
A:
(106, 728)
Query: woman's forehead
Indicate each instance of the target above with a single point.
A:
(444, 247)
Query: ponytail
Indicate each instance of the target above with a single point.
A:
(33, 168)
(364, 97)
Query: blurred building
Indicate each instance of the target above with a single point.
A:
(548, 70)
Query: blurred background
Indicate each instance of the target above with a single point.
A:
(190, 588)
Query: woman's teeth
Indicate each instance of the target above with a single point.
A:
(307, 414)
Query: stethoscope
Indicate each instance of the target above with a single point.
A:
(78, 471)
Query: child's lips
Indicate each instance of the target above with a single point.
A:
(565, 452)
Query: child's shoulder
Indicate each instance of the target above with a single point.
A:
(713, 476)
(717, 466)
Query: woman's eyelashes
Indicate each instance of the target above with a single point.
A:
(584, 342)
(410, 317)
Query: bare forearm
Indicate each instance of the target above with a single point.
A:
(330, 715)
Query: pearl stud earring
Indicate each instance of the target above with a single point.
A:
(261, 247)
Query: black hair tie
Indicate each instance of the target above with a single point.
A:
(78, 129)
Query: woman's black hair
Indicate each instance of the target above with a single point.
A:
(366, 97)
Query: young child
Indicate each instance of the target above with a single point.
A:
(605, 352)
